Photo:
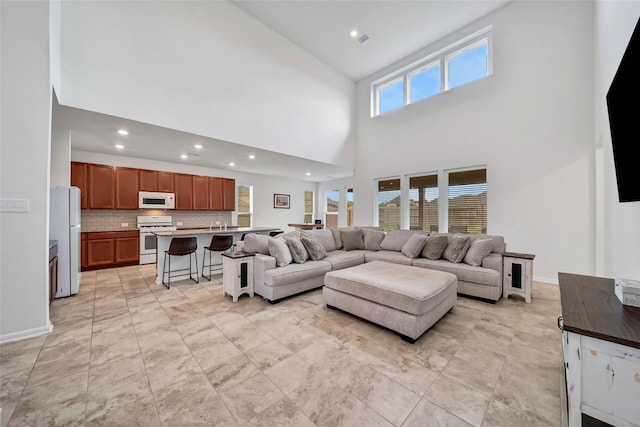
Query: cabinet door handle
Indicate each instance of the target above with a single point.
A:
(560, 324)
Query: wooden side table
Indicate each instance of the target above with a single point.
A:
(517, 276)
(237, 274)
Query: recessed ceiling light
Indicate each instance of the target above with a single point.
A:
(354, 33)
(308, 173)
(232, 164)
(123, 132)
(184, 156)
(198, 146)
(251, 156)
(120, 146)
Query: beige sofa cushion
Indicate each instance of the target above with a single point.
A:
(344, 259)
(325, 236)
(297, 249)
(387, 256)
(457, 248)
(314, 248)
(352, 239)
(394, 240)
(414, 245)
(465, 272)
(280, 251)
(294, 273)
(478, 249)
(256, 243)
(436, 244)
(372, 239)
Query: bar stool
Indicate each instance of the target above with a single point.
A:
(219, 243)
(180, 246)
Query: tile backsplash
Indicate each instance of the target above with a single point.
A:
(113, 220)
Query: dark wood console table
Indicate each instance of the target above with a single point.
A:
(601, 348)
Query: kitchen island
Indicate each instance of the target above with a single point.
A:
(204, 236)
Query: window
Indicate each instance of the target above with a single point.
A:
(468, 201)
(389, 204)
(423, 203)
(462, 62)
(245, 205)
(331, 208)
(308, 207)
(349, 207)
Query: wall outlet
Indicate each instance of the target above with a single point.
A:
(14, 205)
(124, 224)
(178, 223)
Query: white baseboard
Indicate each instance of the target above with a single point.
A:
(545, 280)
(27, 333)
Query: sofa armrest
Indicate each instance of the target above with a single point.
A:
(493, 261)
(261, 263)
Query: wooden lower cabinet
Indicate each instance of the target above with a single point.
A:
(110, 249)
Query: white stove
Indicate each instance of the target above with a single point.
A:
(148, 242)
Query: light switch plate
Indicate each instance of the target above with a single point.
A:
(14, 205)
(178, 223)
(124, 224)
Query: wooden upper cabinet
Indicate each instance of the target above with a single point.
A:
(126, 188)
(215, 194)
(184, 191)
(229, 194)
(79, 178)
(200, 193)
(101, 193)
(148, 180)
(166, 182)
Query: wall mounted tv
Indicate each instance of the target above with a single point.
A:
(624, 120)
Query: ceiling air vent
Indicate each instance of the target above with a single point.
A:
(363, 38)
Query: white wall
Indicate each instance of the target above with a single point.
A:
(531, 124)
(208, 68)
(24, 168)
(614, 23)
(264, 187)
(60, 151)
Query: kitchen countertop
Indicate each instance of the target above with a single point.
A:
(191, 231)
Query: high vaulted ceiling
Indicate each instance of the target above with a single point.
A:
(395, 29)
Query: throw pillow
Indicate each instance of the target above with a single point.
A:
(478, 249)
(314, 248)
(414, 245)
(352, 239)
(394, 240)
(256, 243)
(372, 239)
(297, 249)
(325, 237)
(436, 244)
(456, 249)
(280, 251)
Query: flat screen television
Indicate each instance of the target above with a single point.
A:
(624, 120)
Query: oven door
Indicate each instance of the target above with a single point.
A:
(148, 247)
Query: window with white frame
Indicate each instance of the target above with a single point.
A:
(308, 207)
(388, 201)
(467, 197)
(332, 198)
(462, 62)
(245, 205)
(349, 207)
(423, 202)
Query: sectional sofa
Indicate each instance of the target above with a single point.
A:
(281, 269)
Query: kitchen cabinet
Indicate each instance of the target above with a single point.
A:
(126, 183)
(147, 180)
(229, 194)
(79, 178)
(112, 249)
(184, 191)
(166, 182)
(101, 192)
(200, 193)
(215, 194)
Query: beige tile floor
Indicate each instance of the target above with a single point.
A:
(127, 352)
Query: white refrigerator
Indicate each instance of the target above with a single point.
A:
(64, 227)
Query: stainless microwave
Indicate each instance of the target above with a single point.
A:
(152, 200)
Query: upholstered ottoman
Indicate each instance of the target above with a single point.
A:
(405, 299)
